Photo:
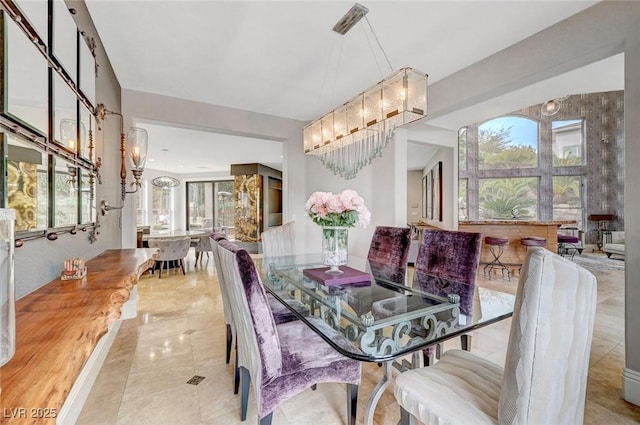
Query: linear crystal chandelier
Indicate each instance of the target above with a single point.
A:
(350, 136)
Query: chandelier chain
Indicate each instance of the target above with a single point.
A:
(379, 44)
(373, 54)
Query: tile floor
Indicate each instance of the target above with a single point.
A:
(179, 333)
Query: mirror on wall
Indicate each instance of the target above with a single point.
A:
(37, 13)
(87, 77)
(66, 184)
(65, 38)
(46, 107)
(26, 184)
(86, 124)
(65, 115)
(25, 81)
(86, 197)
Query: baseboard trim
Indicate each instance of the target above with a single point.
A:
(130, 309)
(73, 404)
(631, 386)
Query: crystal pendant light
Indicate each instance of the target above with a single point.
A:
(165, 182)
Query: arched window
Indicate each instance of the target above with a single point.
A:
(508, 142)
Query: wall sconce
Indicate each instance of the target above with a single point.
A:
(73, 174)
(137, 152)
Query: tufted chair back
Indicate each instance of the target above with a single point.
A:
(171, 249)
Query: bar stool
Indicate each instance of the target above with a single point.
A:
(533, 241)
(528, 241)
(567, 245)
(496, 244)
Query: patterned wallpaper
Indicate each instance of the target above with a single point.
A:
(604, 169)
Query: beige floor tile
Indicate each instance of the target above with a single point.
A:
(180, 332)
(173, 405)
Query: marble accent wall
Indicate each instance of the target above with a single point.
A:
(247, 212)
(603, 190)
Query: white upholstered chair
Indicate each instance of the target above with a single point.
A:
(203, 246)
(279, 241)
(545, 375)
(171, 250)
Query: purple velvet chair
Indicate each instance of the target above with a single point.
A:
(281, 313)
(387, 262)
(388, 252)
(285, 359)
(447, 263)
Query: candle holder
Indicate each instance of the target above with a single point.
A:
(74, 268)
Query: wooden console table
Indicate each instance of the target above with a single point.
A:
(57, 328)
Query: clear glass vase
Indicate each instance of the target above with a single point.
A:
(335, 248)
(7, 291)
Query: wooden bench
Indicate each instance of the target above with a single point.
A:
(62, 332)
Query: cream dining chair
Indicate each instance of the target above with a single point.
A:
(171, 250)
(545, 375)
(279, 241)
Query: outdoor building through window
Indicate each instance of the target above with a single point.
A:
(568, 142)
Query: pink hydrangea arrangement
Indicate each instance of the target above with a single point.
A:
(346, 209)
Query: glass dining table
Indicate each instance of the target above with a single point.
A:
(385, 313)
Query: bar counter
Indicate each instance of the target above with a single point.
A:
(515, 230)
(57, 328)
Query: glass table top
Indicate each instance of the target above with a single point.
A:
(384, 312)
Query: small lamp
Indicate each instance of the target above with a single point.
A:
(137, 151)
(138, 145)
(550, 107)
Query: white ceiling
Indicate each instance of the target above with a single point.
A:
(207, 153)
(282, 58)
